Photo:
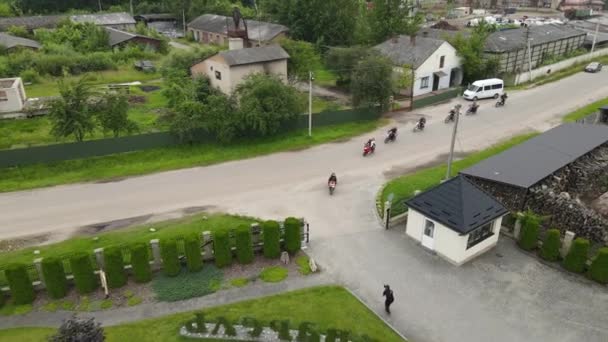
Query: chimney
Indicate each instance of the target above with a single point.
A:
(235, 43)
(413, 39)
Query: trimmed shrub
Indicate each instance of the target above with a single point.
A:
(550, 249)
(577, 256)
(140, 262)
(20, 284)
(168, 252)
(244, 245)
(272, 239)
(599, 266)
(82, 270)
(192, 246)
(54, 277)
(528, 239)
(114, 267)
(2, 299)
(221, 248)
(293, 235)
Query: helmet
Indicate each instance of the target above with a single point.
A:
(333, 173)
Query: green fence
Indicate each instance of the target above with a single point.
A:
(431, 100)
(104, 147)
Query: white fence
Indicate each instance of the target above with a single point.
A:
(548, 69)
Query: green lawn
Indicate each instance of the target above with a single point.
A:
(328, 307)
(325, 78)
(403, 187)
(170, 158)
(585, 111)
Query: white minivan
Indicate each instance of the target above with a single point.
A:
(493, 87)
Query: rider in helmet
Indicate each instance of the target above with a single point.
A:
(503, 98)
(333, 178)
(421, 122)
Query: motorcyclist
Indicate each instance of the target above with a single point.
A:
(392, 132)
(474, 106)
(452, 114)
(503, 98)
(421, 123)
(371, 143)
(332, 178)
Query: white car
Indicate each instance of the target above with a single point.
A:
(593, 67)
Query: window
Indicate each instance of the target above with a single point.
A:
(429, 228)
(441, 61)
(424, 82)
(497, 86)
(487, 88)
(480, 234)
(3, 96)
(218, 75)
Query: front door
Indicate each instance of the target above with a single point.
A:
(435, 82)
(427, 234)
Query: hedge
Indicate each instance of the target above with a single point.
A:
(82, 270)
(599, 266)
(114, 267)
(192, 246)
(20, 284)
(2, 299)
(272, 239)
(54, 277)
(221, 248)
(168, 252)
(293, 235)
(244, 245)
(140, 262)
(577, 256)
(528, 239)
(550, 249)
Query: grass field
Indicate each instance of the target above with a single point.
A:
(403, 187)
(155, 160)
(585, 111)
(327, 307)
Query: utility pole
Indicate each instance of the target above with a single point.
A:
(529, 53)
(184, 20)
(451, 156)
(131, 6)
(99, 3)
(310, 78)
(597, 28)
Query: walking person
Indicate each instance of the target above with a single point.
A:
(388, 293)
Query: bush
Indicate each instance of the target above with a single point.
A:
(20, 284)
(221, 248)
(244, 245)
(76, 329)
(528, 239)
(2, 299)
(140, 262)
(293, 235)
(54, 277)
(114, 267)
(168, 252)
(30, 76)
(82, 270)
(550, 249)
(577, 256)
(599, 266)
(192, 245)
(272, 239)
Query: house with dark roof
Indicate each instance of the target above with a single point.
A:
(455, 219)
(119, 38)
(228, 69)
(213, 29)
(435, 62)
(163, 23)
(120, 20)
(32, 23)
(510, 47)
(11, 42)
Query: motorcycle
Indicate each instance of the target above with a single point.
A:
(390, 137)
(419, 127)
(500, 103)
(332, 187)
(450, 118)
(368, 149)
(472, 110)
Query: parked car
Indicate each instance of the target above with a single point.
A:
(493, 87)
(593, 67)
(145, 66)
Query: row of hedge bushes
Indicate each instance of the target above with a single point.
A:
(86, 280)
(576, 258)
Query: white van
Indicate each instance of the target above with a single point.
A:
(493, 87)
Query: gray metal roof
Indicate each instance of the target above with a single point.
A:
(401, 51)
(32, 23)
(116, 37)
(532, 161)
(121, 18)
(254, 55)
(458, 204)
(258, 30)
(155, 16)
(12, 41)
(515, 39)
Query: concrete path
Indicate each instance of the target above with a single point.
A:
(152, 310)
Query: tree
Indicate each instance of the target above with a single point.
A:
(302, 58)
(266, 104)
(372, 82)
(72, 113)
(112, 115)
(186, 120)
(79, 330)
(471, 51)
(393, 17)
(342, 61)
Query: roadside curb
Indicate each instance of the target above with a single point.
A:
(377, 315)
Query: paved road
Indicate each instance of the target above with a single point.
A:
(436, 300)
